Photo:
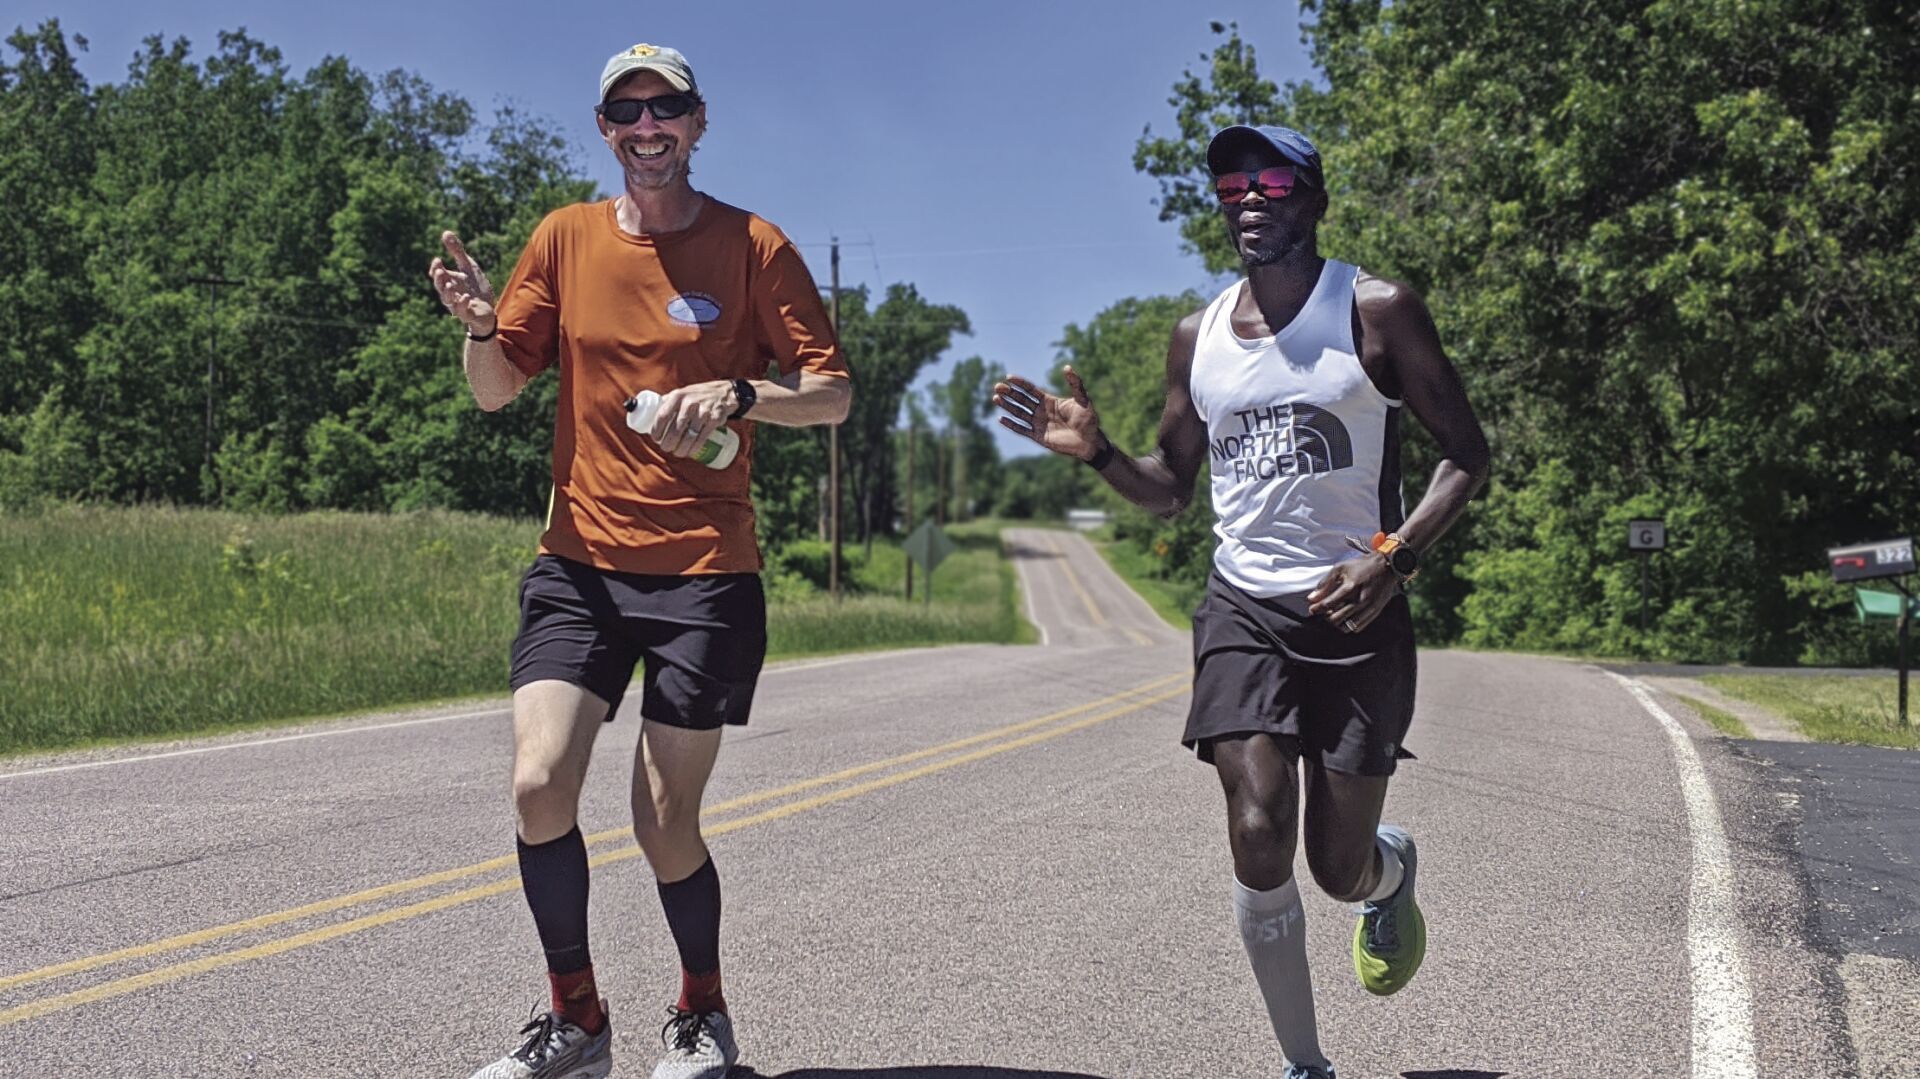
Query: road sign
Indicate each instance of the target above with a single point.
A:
(929, 546)
(1643, 538)
(1865, 561)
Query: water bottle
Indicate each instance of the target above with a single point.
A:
(716, 452)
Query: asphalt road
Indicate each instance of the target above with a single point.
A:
(969, 863)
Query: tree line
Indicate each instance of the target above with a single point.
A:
(1671, 246)
(212, 293)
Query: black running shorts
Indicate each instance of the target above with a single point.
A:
(1343, 700)
(701, 636)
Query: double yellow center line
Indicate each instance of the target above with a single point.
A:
(939, 758)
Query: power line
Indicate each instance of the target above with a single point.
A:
(1021, 249)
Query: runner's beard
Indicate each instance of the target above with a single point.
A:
(639, 176)
(659, 181)
(1266, 254)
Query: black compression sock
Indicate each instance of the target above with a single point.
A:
(554, 876)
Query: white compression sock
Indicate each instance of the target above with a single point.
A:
(1392, 872)
(1273, 926)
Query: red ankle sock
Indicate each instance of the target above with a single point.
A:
(577, 999)
(700, 993)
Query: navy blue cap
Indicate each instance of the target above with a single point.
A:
(1291, 144)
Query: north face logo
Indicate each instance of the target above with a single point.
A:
(1284, 440)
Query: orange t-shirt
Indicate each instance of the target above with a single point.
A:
(620, 313)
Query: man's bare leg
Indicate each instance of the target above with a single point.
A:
(669, 781)
(1260, 776)
(554, 726)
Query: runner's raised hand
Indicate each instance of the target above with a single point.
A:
(1067, 425)
(464, 288)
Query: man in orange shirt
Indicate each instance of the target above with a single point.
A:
(649, 555)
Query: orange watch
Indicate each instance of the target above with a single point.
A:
(1399, 554)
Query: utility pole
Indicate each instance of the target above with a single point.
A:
(913, 435)
(1646, 558)
(833, 453)
(1906, 620)
(213, 283)
(939, 485)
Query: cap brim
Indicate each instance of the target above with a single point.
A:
(674, 78)
(1229, 141)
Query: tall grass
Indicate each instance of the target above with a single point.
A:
(975, 599)
(151, 622)
(1856, 708)
(1722, 720)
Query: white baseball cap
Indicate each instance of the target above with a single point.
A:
(644, 57)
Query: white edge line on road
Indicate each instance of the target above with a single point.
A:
(1026, 586)
(249, 745)
(196, 750)
(1722, 1009)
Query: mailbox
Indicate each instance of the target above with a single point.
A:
(1865, 561)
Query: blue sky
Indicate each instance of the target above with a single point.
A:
(982, 151)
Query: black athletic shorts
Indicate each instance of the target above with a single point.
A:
(1344, 700)
(702, 637)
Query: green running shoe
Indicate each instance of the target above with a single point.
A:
(1391, 939)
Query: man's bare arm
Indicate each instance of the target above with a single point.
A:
(468, 295)
(802, 399)
(1396, 320)
(494, 379)
(1162, 481)
(689, 414)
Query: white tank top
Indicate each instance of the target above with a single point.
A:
(1304, 449)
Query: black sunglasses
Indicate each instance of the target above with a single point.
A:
(626, 110)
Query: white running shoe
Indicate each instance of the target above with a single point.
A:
(699, 1045)
(552, 1048)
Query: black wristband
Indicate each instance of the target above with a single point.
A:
(745, 397)
(1102, 457)
(490, 333)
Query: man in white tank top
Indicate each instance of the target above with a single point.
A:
(1289, 388)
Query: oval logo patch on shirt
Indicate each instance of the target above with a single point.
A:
(693, 309)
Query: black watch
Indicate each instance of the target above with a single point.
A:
(1405, 561)
(744, 393)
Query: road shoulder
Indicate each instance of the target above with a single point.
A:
(1832, 835)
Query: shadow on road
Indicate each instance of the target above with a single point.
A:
(940, 1072)
(1452, 1073)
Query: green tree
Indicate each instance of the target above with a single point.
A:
(887, 346)
(317, 199)
(46, 159)
(1042, 487)
(1671, 247)
(971, 456)
(1121, 357)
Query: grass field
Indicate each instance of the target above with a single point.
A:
(975, 598)
(1831, 708)
(145, 623)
